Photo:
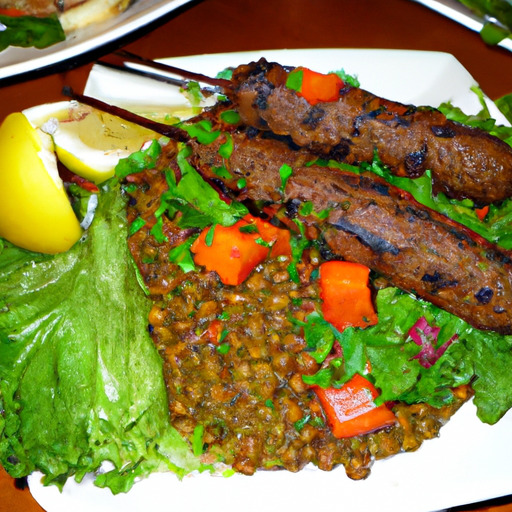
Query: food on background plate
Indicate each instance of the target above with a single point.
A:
(497, 18)
(41, 23)
(265, 366)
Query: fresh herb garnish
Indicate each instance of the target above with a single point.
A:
(300, 424)
(230, 116)
(226, 148)
(197, 440)
(193, 193)
(137, 224)
(157, 232)
(181, 256)
(139, 161)
(351, 80)
(223, 348)
(222, 172)
(202, 131)
(294, 79)
(298, 243)
(28, 31)
(285, 171)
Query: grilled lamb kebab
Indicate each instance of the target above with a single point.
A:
(376, 224)
(354, 125)
(465, 162)
(369, 221)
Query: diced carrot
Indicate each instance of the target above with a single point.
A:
(482, 212)
(232, 254)
(214, 331)
(12, 12)
(345, 294)
(317, 87)
(351, 409)
(277, 237)
(234, 251)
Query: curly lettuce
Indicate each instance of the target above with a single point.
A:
(80, 379)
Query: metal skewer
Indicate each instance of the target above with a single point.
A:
(167, 130)
(120, 60)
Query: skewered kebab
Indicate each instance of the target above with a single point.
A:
(465, 162)
(370, 222)
(378, 225)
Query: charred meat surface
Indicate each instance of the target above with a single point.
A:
(378, 225)
(465, 162)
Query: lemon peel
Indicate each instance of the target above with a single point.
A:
(35, 212)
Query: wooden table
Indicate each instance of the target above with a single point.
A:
(214, 26)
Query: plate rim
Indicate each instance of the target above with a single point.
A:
(85, 40)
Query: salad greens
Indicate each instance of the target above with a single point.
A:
(483, 358)
(80, 380)
(27, 31)
(497, 15)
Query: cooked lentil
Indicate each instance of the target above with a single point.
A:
(234, 360)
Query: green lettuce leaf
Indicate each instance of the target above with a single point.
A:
(490, 10)
(480, 357)
(505, 105)
(27, 31)
(80, 379)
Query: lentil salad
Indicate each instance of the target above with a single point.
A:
(240, 387)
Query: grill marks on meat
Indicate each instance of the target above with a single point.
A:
(465, 162)
(378, 225)
(415, 248)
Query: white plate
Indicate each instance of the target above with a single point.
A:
(469, 462)
(461, 14)
(15, 60)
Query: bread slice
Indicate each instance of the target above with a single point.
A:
(91, 11)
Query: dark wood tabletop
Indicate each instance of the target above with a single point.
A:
(212, 26)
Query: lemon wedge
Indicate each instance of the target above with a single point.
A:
(87, 141)
(35, 212)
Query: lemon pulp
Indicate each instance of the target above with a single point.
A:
(87, 141)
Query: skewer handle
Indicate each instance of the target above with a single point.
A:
(163, 129)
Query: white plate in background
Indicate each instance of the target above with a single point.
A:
(469, 462)
(15, 60)
(461, 14)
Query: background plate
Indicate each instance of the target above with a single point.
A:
(469, 462)
(461, 14)
(14, 60)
